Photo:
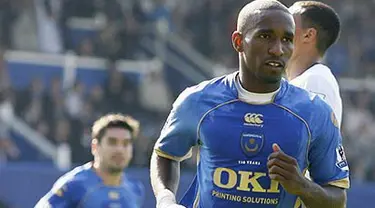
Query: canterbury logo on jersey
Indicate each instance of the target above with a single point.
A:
(253, 119)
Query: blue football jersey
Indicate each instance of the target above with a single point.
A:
(235, 139)
(82, 187)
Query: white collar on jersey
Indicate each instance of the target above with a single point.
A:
(251, 97)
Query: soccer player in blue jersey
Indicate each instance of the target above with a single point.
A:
(101, 183)
(256, 134)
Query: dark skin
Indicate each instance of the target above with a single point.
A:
(165, 174)
(270, 38)
(284, 169)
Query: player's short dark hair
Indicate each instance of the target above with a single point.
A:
(114, 121)
(323, 18)
(249, 12)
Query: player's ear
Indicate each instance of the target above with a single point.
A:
(237, 41)
(94, 146)
(310, 35)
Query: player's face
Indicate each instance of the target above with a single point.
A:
(268, 46)
(115, 149)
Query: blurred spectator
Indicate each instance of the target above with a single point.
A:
(30, 103)
(55, 100)
(61, 131)
(24, 31)
(154, 84)
(8, 14)
(74, 100)
(49, 34)
(96, 99)
(360, 134)
(120, 92)
(86, 47)
(206, 24)
(8, 150)
(4, 77)
(108, 43)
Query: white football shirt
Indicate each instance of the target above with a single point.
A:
(318, 79)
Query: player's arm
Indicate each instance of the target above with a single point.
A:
(174, 145)
(284, 169)
(165, 176)
(60, 196)
(323, 196)
(328, 168)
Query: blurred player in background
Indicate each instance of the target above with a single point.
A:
(317, 28)
(256, 133)
(101, 183)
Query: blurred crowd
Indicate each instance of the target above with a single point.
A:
(66, 115)
(209, 23)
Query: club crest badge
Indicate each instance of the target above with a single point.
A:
(251, 144)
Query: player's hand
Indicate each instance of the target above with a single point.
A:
(284, 169)
(167, 199)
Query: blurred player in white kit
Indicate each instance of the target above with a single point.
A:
(317, 28)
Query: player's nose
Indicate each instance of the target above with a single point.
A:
(118, 149)
(276, 48)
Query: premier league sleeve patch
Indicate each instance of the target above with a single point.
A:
(341, 161)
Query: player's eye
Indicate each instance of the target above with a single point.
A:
(127, 142)
(112, 141)
(264, 36)
(288, 39)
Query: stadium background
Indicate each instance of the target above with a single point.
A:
(63, 63)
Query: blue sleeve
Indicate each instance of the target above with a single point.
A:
(327, 159)
(179, 133)
(62, 195)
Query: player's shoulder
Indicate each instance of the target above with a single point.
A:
(74, 178)
(306, 104)
(216, 87)
(320, 80)
(319, 74)
(319, 66)
(292, 90)
(311, 110)
(324, 75)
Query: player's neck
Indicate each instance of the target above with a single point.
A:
(300, 63)
(109, 179)
(252, 84)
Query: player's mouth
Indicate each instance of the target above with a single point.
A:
(275, 64)
(118, 158)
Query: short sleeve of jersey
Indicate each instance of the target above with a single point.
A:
(327, 159)
(61, 195)
(179, 133)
